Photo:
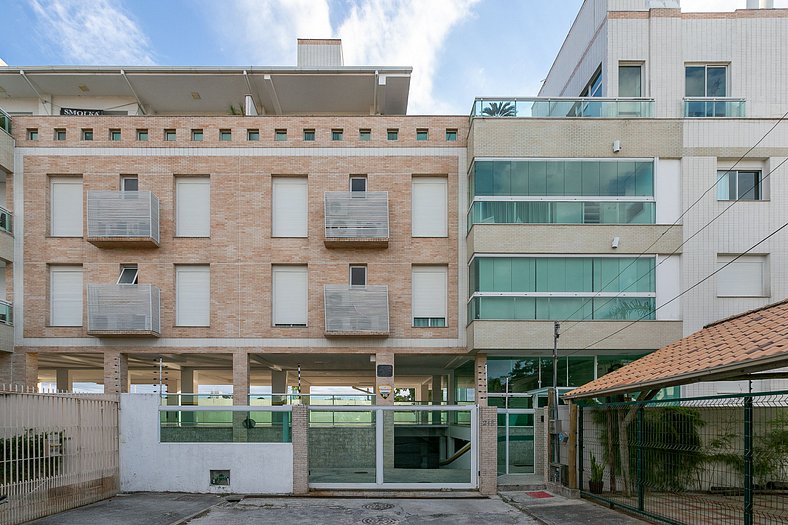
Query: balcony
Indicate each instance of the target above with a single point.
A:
(704, 107)
(356, 310)
(562, 107)
(6, 143)
(6, 327)
(123, 310)
(5, 122)
(357, 219)
(6, 236)
(123, 219)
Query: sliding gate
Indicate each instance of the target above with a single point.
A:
(393, 447)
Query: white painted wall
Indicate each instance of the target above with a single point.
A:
(668, 275)
(667, 190)
(147, 465)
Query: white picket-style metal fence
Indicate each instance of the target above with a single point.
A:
(57, 452)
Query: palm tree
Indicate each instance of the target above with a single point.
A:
(500, 109)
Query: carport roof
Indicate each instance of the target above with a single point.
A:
(732, 348)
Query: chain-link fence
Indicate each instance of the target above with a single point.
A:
(708, 460)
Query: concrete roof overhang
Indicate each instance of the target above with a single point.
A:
(276, 90)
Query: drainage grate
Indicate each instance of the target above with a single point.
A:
(379, 520)
(378, 506)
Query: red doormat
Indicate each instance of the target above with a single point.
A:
(540, 494)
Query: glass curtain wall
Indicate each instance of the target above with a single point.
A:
(548, 288)
(562, 192)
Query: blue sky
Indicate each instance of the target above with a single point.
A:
(458, 48)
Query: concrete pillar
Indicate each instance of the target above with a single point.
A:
(572, 460)
(116, 372)
(437, 390)
(481, 379)
(488, 450)
(63, 380)
(189, 384)
(241, 372)
(384, 382)
(300, 439)
(451, 389)
(279, 381)
(423, 393)
(19, 370)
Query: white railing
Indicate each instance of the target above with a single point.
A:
(357, 215)
(361, 309)
(124, 309)
(562, 107)
(123, 214)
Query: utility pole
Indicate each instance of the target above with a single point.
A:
(554, 415)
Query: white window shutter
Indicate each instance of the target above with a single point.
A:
(66, 207)
(193, 296)
(289, 207)
(193, 202)
(290, 295)
(429, 211)
(429, 291)
(745, 277)
(66, 295)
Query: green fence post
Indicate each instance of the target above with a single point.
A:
(748, 481)
(580, 447)
(639, 476)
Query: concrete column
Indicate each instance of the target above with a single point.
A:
(19, 370)
(63, 380)
(488, 450)
(423, 393)
(300, 439)
(279, 381)
(572, 460)
(241, 378)
(451, 389)
(384, 359)
(481, 379)
(437, 390)
(189, 384)
(116, 372)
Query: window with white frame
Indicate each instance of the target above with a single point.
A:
(193, 207)
(742, 276)
(129, 183)
(65, 295)
(289, 207)
(429, 291)
(429, 210)
(289, 295)
(65, 197)
(743, 185)
(193, 295)
(129, 273)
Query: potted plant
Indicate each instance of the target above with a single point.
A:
(595, 484)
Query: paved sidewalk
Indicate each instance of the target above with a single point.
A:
(557, 510)
(147, 508)
(367, 511)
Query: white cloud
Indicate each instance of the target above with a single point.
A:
(721, 5)
(404, 33)
(94, 32)
(266, 31)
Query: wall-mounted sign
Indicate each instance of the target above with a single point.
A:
(384, 391)
(81, 112)
(385, 370)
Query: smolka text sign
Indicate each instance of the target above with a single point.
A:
(81, 112)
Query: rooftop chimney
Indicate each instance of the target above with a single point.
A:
(320, 52)
(760, 4)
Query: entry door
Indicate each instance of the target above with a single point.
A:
(516, 452)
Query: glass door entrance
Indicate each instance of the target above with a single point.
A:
(515, 433)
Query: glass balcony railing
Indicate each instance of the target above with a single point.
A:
(6, 313)
(5, 121)
(703, 107)
(6, 221)
(529, 308)
(561, 212)
(184, 424)
(539, 107)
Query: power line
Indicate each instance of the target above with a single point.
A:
(684, 292)
(671, 254)
(713, 186)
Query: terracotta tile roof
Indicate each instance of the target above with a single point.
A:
(754, 340)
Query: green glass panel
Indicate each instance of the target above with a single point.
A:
(629, 308)
(486, 272)
(502, 275)
(609, 363)
(483, 178)
(606, 275)
(579, 275)
(608, 178)
(568, 213)
(498, 371)
(524, 377)
(530, 382)
(523, 274)
(644, 179)
(502, 177)
(626, 178)
(573, 178)
(524, 307)
(519, 178)
(608, 213)
(581, 370)
(555, 178)
(590, 171)
(537, 178)
(496, 307)
(521, 420)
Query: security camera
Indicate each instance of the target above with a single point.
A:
(616, 146)
(615, 242)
